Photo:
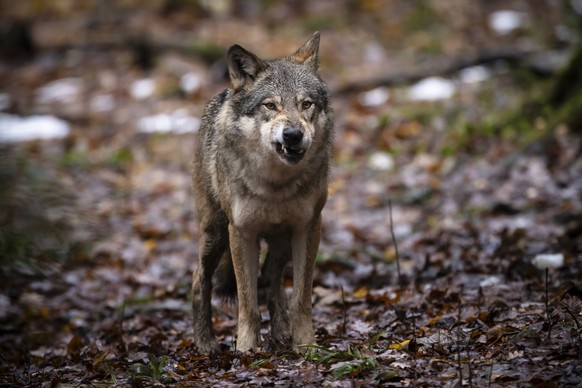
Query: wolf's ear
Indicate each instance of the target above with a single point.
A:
(308, 53)
(243, 66)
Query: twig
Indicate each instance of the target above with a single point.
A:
(470, 370)
(548, 308)
(459, 343)
(459, 359)
(480, 300)
(415, 376)
(345, 321)
(400, 280)
(122, 346)
(460, 364)
(572, 315)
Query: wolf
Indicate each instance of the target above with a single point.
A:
(261, 174)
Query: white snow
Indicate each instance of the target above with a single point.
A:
(374, 97)
(64, 90)
(474, 74)
(14, 129)
(190, 82)
(179, 121)
(381, 161)
(548, 260)
(142, 88)
(505, 21)
(432, 88)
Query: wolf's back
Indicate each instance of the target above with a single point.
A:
(208, 147)
(209, 123)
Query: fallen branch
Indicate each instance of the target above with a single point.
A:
(548, 315)
(400, 279)
(543, 62)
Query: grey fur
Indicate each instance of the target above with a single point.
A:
(261, 172)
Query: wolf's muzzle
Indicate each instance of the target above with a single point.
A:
(292, 137)
(291, 149)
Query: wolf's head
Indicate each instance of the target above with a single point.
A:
(280, 105)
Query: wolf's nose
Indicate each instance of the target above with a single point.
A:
(292, 136)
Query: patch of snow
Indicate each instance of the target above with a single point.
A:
(64, 90)
(381, 161)
(179, 121)
(102, 103)
(142, 88)
(374, 97)
(490, 281)
(14, 129)
(432, 88)
(505, 21)
(543, 261)
(190, 82)
(474, 74)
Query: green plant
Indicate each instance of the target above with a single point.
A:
(352, 362)
(153, 371)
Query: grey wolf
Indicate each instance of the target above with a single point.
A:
(261, 174)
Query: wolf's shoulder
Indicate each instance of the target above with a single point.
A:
(215, 105)
(212, 112)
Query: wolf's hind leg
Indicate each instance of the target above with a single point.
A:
(213, 244)
(279, 254)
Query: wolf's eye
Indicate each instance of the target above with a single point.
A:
(306, 104)
(270, 106)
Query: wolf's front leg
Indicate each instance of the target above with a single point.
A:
(245, 258)
(212, 245)
(305, 244)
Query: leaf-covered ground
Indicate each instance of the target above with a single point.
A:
(99, 236)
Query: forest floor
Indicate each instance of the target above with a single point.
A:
(97, 262)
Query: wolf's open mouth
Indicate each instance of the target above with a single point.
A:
(290, 154)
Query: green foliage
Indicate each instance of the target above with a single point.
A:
(354, 369)
(321, 22)
(206, 51)
(75, 158)
(352, 362)
(372, 341)
(421, 17)
(120, 157)
(34, 226)
(152, 372)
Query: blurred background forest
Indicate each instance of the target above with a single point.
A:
(466, 116)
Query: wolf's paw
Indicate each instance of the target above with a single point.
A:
(209, 347)
(302, 333)
(243, 346)
(277, 342)
(303, 346)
